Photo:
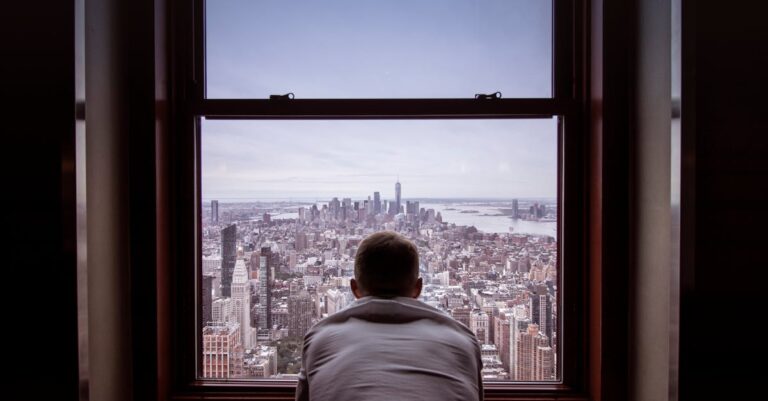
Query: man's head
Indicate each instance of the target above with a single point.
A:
(386, 265)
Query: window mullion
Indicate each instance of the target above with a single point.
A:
(380, 108)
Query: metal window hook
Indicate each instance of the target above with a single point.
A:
(492, 96)
(287, 96)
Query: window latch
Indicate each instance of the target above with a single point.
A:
(287, 96)
(492, 96)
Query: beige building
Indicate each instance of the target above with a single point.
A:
(527, 344)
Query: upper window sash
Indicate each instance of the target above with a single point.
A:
(559, 58)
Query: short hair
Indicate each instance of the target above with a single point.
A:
(386, 264)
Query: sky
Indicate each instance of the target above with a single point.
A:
(378, 49)
(251, 160)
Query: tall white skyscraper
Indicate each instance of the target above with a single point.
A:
(241, 302)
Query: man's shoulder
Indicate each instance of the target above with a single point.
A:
(398, 310)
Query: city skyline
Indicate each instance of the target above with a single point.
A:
(503, 286)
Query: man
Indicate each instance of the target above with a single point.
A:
(387, 345)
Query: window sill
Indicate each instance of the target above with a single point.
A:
(285, 390)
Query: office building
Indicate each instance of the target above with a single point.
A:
(222, 352)
(228, 256)
(299, 314)
(541, 310)
(221, 310)
(398, 193)
(206, 298)
(544, 364)
(515, 209)
(265, 289)
(527, 344)
(214, 212)
(241, 303)
(376, 203)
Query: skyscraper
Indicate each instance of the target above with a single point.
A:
(544, 364)
(299, 314)
(517, 326)
(253, 267)
(265, 289)
(491, 311)
(346, 208)
(397, 197)
(376, 203)
(301, 241)
(515, 210)
(228, 256)
(215, 212)
(501, 336)
(527, 345)
(206, 298)
(241, 303)
(541, 311)
(302, 213)
(334, 207)
(412, 207)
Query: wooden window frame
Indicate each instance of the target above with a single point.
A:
(592, 330)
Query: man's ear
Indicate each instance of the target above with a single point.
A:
(417, 286)
(356, 289)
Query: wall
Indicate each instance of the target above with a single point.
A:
(37, 159)
(725, 149)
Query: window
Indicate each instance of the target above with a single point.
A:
(290, 203)
(384, 132)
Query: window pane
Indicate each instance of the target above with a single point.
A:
(378, 49)
(286, 203)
